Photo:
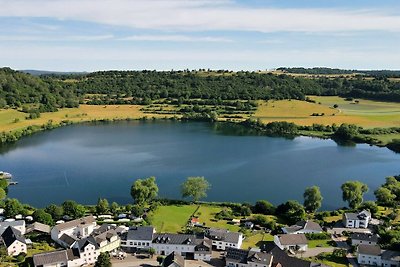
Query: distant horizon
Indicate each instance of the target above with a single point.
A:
(250, 35)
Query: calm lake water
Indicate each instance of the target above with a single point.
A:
(85, 162)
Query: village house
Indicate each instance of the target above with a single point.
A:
(66, 234)
(107, 238)
(222, 239)
(247, 258)
(137, 238)
(363, 238)
(373, 255)
(14, 241)
(291, 242)
(58, 258)
(39, 228)
(19, 225)
(173, 260)
(189, 246)
(357, 220)
(303, 227)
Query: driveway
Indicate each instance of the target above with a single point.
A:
(312, 252)
(132, 261)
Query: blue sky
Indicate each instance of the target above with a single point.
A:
(89, 35)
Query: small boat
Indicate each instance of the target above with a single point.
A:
(5, 175)
(12, 183)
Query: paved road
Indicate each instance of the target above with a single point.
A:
(132, 261)
(312, 252)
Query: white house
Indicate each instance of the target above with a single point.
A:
(247, 258)
(185, 245)
(19, 225)
(88, 250)
(357, 220)
(373, 255)
(303, 227)
(293, 242)
(107, 238)
(65, 233)
(222, 239)
(363, 238)
(369, 255)
(14, 242)
(57, 258)
(137, 238)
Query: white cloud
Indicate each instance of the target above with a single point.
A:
(200, 15)
(175, 38)
(78, 38)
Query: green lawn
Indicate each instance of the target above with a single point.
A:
(255, 240)
(320, 243)
(172, 219)
(330, 260)
(207, 214)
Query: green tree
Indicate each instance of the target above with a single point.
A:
(55, 211)
(195, 187)
(114, 207)
(12, 207)
(292, 211)
(73, 209)
(143, 191)
(264, 207)
(102, 206)
(312, 199)
(353, 192)
(43, 217)
(2, 194)
(103, 260)
(384, 196)
(137, 210)
(371, 206)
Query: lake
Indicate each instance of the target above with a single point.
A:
(84, 162)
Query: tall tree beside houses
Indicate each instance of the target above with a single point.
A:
(353, 192)
(195, 187)
(143, 191)
(312, 198)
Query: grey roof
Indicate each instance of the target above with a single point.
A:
(39, 227)
(364, 237)
(204, 247)
(10, 235)
(67, 239)
(174, 258)
(81, 244)
(5, 225)
(391, 255)
(369, 249)
(181, 239)
(293, 239)
(304, 225)
(105, 236)
(140, 233)
(245, 256)
(223, 235)
(357, 216)
(280, 257)
(75, 223)
(52, 257)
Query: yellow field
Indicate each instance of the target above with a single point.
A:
(81, 114)
(366, 113)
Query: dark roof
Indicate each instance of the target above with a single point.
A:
(280, 256)
(81, 244)
(52, 257)
(364, 237)
(105, 236)
(369, 249)
(140, 233)
(175, 239)
(304, 225)
(174, 258)
(204, 247)
(223, 235)
(103, 228)
(245, 256)
(5, 225)
(69, 240)
(293, 239)
(391, 255)
(357, 216)
(10, 235)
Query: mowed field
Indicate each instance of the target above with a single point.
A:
(366, 113)
(83, 113)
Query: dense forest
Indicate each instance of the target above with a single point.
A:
(331, 71)
(50, 92)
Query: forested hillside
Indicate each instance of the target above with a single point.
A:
(19, 89)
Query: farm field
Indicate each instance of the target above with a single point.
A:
(8, 117)
(366, 113)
